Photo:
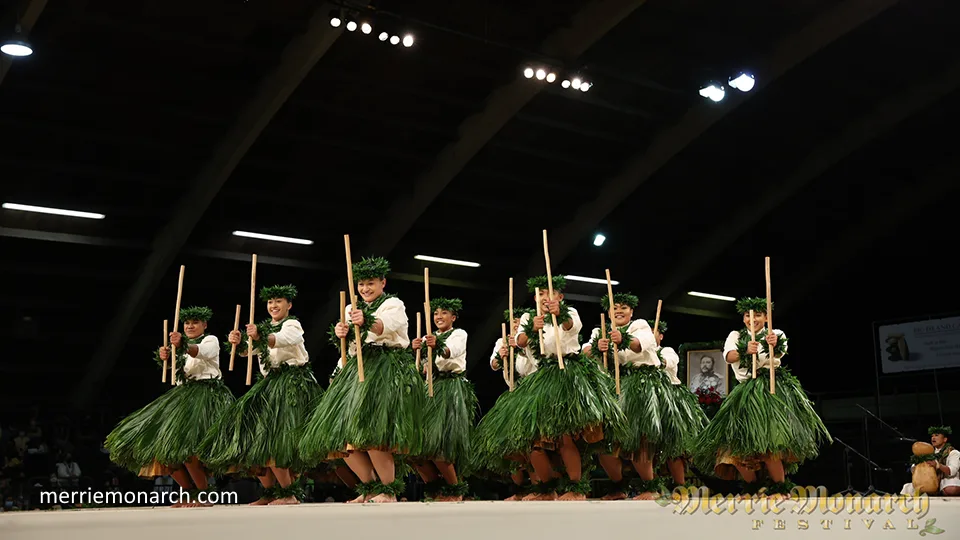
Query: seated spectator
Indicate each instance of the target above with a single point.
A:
(34, 433)
(20, 443)
(68, 472)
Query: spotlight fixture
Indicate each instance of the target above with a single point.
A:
(541, 74)
(743, 82)
(366, 28)
(565, 83)
(351, 26)
(528, 73)
(394, 40)
(713, 92)
(551, 77)
(599, 239)
(15, 46)
(584, 86)
(335, 19)
(408, 40)
(575, 83)
(383, 36)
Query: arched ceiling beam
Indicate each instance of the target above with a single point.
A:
(299, 57)
(911, 198)
(858, 134)
(28, 19)
(567, 44)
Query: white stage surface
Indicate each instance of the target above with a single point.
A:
(484, 521)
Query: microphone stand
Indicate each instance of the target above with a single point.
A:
(871, 466)
(903, 438)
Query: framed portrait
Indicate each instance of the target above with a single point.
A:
(706, 370)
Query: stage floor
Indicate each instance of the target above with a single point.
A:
(485, 521)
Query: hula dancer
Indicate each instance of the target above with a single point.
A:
(500, 356)
(644, 399)
(687, 410)
(753, 427)
(260, 432)
(449, 416)
(165, 436)
(370, 423)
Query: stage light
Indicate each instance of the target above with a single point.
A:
(541, 74)
(335, 20)
(273, 238)
(366, 28)
(528, 73)
(351, 25)
(394, 40)
(599, 239)
(575, 83)
(712, 296)
(54, 211)
(384, 36)
(446, 261)
(713, 92)
(743, 82)
(585, 86)
(591, 280)
(408, 40)
(565, 83)
(15, 46)
(551, 77)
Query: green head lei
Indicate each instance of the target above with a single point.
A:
(196, 313)
(371, 268)
(540, 282)
(758, 305)
(517, 313)
(625, 299)
(288, 292)
(942, 430)
(662, 328)
(453, 305)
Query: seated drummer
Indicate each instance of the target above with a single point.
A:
(948, 460)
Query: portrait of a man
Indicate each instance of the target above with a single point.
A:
(706, 370)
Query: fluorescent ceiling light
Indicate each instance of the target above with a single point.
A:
(713, 296)
(599, 239)
(54, 211)
(446, 261)
(591, 280)
(273, 238)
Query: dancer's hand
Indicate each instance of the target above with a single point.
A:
(234, 337)
(603, 345)
(504, 352)
(513, 342)
(164, 353)
(176, 338)
(538, 323)
(431, 340)
(772, 340)
(252, 332)
(341, 330)
(356, 317)
(416, 344)
(553, 307)
(495, 364)
(616, 337)
(753, 347)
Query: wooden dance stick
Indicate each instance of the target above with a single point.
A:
(343, 320)
(603, 335)
(773, 379)
(166, 343)
(616, 354)
(753, 337)
(236, 328)
(353, 305)
(512, 365)
(506, 378)
(253, 306)
(176, 324)
(418, 335)
(656, 321)
(556, 327)
(536, 300)
(429, 360)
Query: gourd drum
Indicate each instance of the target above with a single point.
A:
(925, 477)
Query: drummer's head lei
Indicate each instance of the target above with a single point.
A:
(287, 292)
(540, 282)
(941, 430)
(453, 305)
(758, 305)
(371, 268)
(624, 299)
(661, 329)
(196, 313)
(517, 313)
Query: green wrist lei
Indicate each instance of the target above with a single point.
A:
(746, 360)
(533, 337)
(181, 357)
(261, 346)
(624, 343)
(369, 319)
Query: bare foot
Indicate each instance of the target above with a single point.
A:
(552, 496)
(571, 496)
(513, 498)
(618, 496)
(260, 502)
(384, 498)
(778, 497)
(360, 499)
(648, 496)
(530, 497)
(177, 505)
(285, 501)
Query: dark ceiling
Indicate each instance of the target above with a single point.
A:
(184, 121)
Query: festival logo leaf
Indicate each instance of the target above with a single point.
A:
(929, 527)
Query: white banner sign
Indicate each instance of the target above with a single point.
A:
(920, 345)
